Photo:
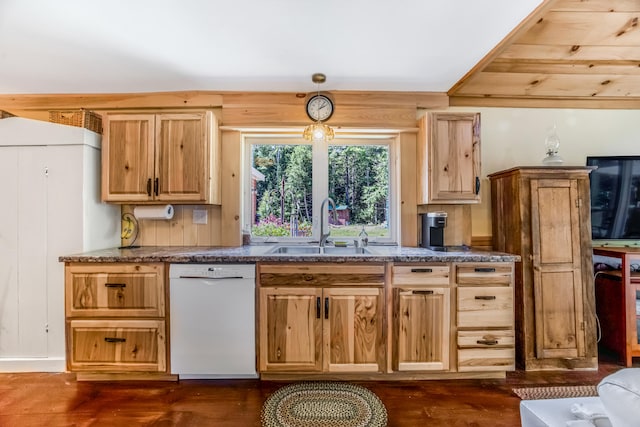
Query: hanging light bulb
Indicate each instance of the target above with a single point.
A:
(318, 131)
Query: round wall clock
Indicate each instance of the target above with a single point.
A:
(319, 108)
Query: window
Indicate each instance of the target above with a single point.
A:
(287, 178)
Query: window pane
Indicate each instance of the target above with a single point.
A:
(359, 184)
(281, 190)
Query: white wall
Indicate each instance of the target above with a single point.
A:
(515, 137)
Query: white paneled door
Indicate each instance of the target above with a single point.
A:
(23, 232)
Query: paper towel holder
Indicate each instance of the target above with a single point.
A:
(153, 212)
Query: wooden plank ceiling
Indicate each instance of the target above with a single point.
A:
(567, 53)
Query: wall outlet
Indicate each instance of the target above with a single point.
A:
(200, 216)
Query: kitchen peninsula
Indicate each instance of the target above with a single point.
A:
(396, 312)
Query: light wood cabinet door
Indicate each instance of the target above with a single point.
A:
(449, 158)
(290, 329)
(421, 328)
(128, 157)
(116, 345)
(556, 260)
(352, 330)
(169, 157)
(181, 163)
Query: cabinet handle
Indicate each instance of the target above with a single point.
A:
(487, 342)
(111, 339)
(149, 187)
(422, 270)
(326, 308)
(485, 297)
(422, 292)
(156, 186)
(484, 270)
(477, 185)
(318, 307)
(115, 285)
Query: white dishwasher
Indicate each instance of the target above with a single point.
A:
(212, 320)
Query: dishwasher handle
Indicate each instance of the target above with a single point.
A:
(210, 278)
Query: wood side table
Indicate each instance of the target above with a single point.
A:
(630, 304)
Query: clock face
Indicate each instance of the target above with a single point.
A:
(319, 108)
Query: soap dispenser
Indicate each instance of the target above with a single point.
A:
(363, 237)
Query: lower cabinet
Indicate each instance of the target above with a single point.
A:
(421, 317)
(485, 317)
(116, 320)
(388, 320)
(321, 318)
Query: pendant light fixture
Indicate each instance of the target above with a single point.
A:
(319, 108)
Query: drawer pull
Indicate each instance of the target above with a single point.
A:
(484, 270)
(115, 285)
(486, 297)
(487, 342)
(422, 270)
(112, 339)
(422, 292)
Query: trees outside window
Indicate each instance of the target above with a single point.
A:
(290, 179)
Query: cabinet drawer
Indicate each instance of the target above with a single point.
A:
(115, 291)
(485, 307)
(437, 275)
(116, 345)
(316, 274)
(484, 274)
(486, 339)
(486, 359)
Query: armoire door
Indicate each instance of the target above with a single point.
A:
(556, 260)
(23, 234)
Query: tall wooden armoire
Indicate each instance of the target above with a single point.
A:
(543, 215)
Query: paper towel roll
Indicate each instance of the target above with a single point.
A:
(153, 212)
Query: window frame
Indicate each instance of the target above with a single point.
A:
(320, 179)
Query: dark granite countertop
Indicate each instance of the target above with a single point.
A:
(258, 253)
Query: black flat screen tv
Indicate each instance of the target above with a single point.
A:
(615, 198)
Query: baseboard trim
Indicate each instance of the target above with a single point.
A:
(32, 364)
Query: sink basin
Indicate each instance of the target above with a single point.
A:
(295, 250)
(317, 250)
(349, 250)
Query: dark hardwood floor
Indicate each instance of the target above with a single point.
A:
(39, 399)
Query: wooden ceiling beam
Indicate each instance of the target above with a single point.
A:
(570, 52)
(607, 67)
(546, 102)
(596, 6)
(550, 85)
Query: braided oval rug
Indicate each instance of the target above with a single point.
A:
(323, 404)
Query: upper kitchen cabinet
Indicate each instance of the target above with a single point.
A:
(163, 157)
(448, 158)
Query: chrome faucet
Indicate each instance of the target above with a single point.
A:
(323, 236)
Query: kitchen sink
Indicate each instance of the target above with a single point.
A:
(317, 250)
